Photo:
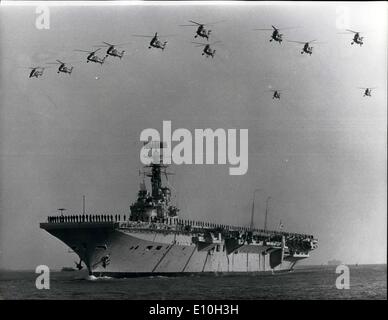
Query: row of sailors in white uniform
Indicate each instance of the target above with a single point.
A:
(85, 218)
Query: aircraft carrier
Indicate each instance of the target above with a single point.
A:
(154, 240)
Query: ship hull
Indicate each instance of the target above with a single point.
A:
(110, 250)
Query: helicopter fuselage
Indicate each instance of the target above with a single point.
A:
(276, 36)
(368, 92)
(202, 32)
(93, 58)
(112, 51)
(156, 43)
(357, 39)
(36, 73)
(276, 95)
(209, 52)
(64, 69)
(307, 49)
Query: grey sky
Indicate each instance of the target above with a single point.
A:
(319, 152)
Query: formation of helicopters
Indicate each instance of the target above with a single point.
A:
(207, 51)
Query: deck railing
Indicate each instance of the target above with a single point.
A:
(161, 223)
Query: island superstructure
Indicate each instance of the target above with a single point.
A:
(153, 239)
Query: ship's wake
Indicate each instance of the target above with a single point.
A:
(94, 278)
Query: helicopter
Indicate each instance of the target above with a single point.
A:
(201, 30)
(112, 51)
(63, 67)
(276, 35)
(306, 47)
(207, 50)
(276, 94)
(92, 56)
(357, 39)
(155, 42)
(36, 72)
(367, 91)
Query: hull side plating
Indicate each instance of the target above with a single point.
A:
(107, 249)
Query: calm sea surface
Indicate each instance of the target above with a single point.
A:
(366, 282)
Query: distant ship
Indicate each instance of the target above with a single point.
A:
(66, 269)
(153, 240)
(334, 262)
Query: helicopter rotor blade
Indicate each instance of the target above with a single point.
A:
(121, 44)
(213, 23)
(65, 63)
(301, 42)
(117, 44)
(166, 35)
(106, 44)
(142, 36)
(197, 23)
(199, 44)
(159, 36)
(275, 28)
(287, 28)
(84, 51)
(351, 31)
